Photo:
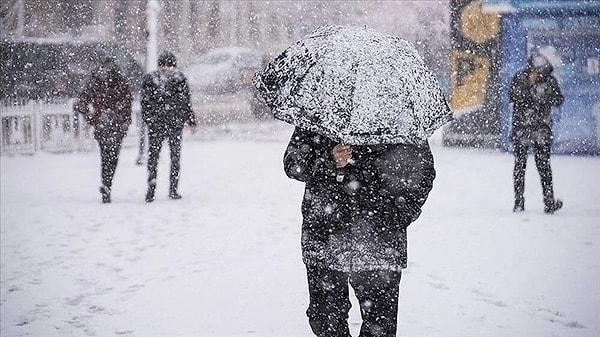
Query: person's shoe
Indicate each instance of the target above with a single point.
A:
(174, 195)
(555, 206)
(519, 206)
(105, 191)
(150, 194)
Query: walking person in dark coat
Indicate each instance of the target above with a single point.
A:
(358, 202)
(534, 91)
(109, 95)
(166, 107)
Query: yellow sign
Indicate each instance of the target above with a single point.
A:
(478, 26)
(470, 74)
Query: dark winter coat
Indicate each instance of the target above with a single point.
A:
(166, 103)
(355, 218)
(109, 94)
(532, 105)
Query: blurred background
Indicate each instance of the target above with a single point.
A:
(224, 260)
(474, 47)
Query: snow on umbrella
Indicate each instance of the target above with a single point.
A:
(355, 85)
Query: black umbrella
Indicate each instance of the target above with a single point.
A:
(356, 86)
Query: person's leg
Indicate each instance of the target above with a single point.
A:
(105, 162)
(141, 144)
(154, 146)
(113, 146)
(103, 144)
(175, 147)
(520, 152)
(377, 293)
(542, 161)
(141, 126)
(329, 303)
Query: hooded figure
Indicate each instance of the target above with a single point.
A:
(533, 93)
(105, 101)
(358, 202)
(166, 108)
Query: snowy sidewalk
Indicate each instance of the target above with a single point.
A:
(225, 260)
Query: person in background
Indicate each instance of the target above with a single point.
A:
(105, 101)
(533, 93)
(166, 108)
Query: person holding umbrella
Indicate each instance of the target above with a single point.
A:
(363, 105)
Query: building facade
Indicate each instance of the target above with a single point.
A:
(491, 41)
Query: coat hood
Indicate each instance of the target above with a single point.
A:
(539, 63)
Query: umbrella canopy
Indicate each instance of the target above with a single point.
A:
(356, 86)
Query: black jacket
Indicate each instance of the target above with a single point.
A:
(166, 103)
(355, 218)
(532, 105)
(109, 96)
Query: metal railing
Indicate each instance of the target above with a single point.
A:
(39, 125)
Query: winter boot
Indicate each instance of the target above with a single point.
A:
(173, 187)
(519, 205)
(553, 207)
(150, 193)
(105, 191)
(174, 195)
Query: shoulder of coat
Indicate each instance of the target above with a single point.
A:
(178, 75)
(150, 77)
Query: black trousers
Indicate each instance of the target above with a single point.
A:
(141, 141)
(109, 138)
(377, 293)
(541, 153)
(155, 141)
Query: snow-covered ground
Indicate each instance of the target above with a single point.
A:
(225, 260)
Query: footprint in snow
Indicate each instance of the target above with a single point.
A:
(439, 285)
(489, 299)
(556, 318)
(571, 324)
(73, 301)
(94, 309)
(497, 303)
(24, 321)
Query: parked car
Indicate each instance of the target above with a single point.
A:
(224, 70)
(50, 69)
(221, 83)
